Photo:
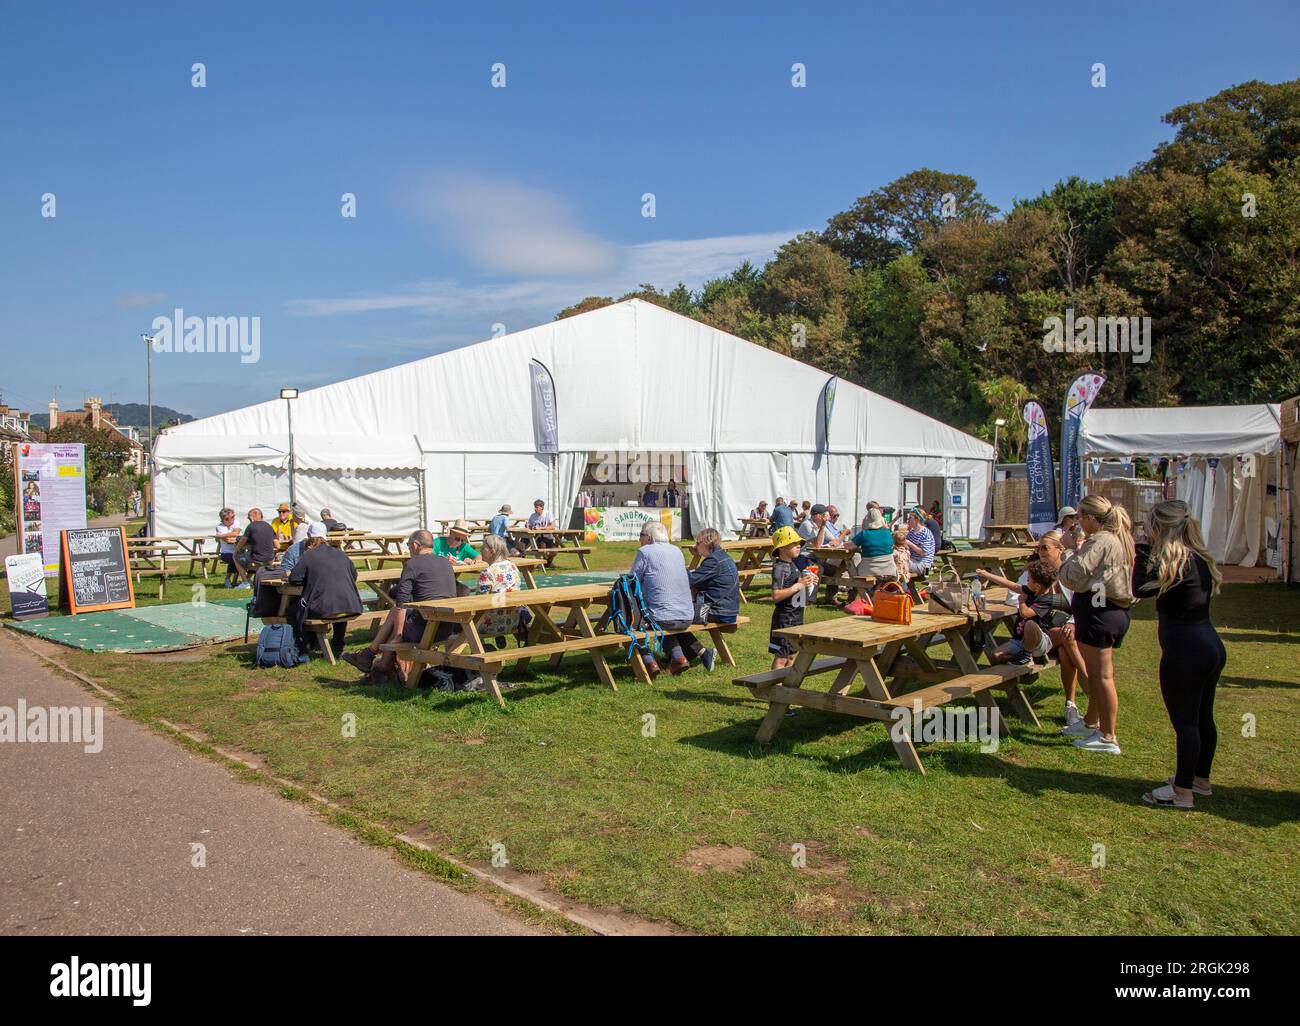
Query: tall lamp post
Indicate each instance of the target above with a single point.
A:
(998, 425)
(148, 362)
(289, 395)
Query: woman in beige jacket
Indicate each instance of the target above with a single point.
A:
(1098, 568)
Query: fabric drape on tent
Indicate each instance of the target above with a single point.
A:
(444, 487)
(1246, 532)
(704, 496)
(571, 468)
(369, 500)
(188, 500)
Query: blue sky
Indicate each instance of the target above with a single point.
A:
(478, 206)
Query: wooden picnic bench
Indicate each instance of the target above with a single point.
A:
(1008, 534)
(567, 540)
(881, 653)
(148, 558)
(755, 527)
(995, 558)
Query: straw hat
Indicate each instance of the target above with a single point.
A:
(875, 519)
(460, 527)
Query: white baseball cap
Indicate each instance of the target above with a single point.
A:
(317, 530)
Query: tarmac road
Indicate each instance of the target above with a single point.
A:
(100, 843)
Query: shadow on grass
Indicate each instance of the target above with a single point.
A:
(1257, 682)
(1284, 638)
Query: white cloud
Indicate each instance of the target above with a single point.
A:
(508, 228)
(663, 263)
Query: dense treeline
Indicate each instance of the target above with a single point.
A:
(925, 292)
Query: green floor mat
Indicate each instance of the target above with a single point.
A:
(150, 629)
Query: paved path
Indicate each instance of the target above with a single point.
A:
(100, 843)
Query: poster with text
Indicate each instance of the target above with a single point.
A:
(51, 497)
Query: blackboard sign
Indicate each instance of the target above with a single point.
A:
(96, 569)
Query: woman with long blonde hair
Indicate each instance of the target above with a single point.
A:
(1098, 569)
(1176, 567)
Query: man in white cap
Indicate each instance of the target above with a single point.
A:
(329, 586)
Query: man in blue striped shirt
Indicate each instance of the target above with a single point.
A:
(920, 545)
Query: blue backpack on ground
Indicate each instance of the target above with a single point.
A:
(276, 647)
(628, 613)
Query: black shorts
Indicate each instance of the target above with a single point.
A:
(780, 647)
(1098, 626)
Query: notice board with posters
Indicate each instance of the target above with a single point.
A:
(96, 570)
(50, 491)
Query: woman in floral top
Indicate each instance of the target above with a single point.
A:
(500, 575)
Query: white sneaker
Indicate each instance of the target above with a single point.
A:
(1094, 742)
(1071, 714)
(1078, 729)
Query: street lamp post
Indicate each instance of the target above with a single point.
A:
(148, 361)
(998, 425)
(289, 395)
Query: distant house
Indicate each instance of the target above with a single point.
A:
(15, 425)
(92, 413)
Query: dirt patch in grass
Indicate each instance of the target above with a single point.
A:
(725, 858)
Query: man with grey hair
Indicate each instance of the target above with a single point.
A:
(425, 576)
(661, 568)
(327, 518)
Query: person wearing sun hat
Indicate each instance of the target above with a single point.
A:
(789, 593)
(455, 546)
(875, 545)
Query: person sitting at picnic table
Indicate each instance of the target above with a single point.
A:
(329, 587)
(327, 518)
(500, 525)
(833, 526)
(920, 543)
(290, 557)
(932, 526)
(715, 586)
(812, 529)
(875, 545)
(255, 548)
(650, 497)
(782, 515)
(759, 512)
(873, 504)
(455, 546)
(666, 587)
(500, 575)
(227, 534)
(1042, 607)
(539, 521)
(902, 556)
(424, 577)
(282, 526)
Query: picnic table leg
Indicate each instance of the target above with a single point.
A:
(1020, 704)
(582, 556)
(638, 667)
(476, 647)
(541, 622)
(720, 643)
(586, 630)
(776, 710)
(527, 574)
(879, 690)
(570, 623)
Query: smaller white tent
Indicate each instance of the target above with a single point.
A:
(1226, 467)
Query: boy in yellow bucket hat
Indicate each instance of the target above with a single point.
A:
(789, 593)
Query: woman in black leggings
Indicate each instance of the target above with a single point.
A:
(1178, 569)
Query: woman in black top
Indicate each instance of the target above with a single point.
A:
(1177, 568)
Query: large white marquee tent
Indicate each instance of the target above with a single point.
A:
(1230, 467)
(452, 435)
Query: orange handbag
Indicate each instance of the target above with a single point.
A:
(892, 604)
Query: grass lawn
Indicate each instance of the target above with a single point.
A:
(696, 824)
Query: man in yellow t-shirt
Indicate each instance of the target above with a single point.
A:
(283, 525)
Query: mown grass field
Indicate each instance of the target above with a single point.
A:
(695, 825)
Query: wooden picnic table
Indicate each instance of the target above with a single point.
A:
(993, 557)
(465, 648)
(567, 539)
(754, 558)
(380, 582)
(887, 657)
(838, 572)
(191, 545)
(1008, 534)
(754, 527)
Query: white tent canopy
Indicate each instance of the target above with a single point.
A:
(455, 431)
(1181, 431)
(1227, 470)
